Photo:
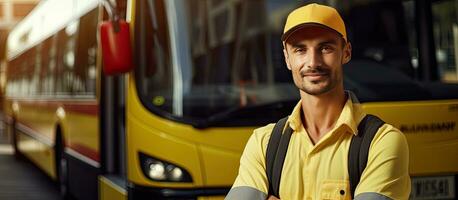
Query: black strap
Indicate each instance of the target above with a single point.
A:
(279, 160)
(276, 153)
(359, 149)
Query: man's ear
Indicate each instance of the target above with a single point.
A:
(346, 53)
(285, 53)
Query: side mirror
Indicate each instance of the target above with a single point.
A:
(116, 47)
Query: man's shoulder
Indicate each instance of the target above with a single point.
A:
(389, 136)
(388, 130)
(261, 136)
(264, 132)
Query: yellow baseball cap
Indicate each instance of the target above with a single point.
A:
(313, 14)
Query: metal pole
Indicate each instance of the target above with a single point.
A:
(426, 49)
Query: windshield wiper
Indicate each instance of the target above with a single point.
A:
(261, 112)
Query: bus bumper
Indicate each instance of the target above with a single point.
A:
(137, 192)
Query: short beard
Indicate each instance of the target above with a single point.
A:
(321, 91)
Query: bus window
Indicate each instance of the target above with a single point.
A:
(445, 22)
(27, 68)
(375, 34)
(85, 71)
(48, 65)
(236, 60)
(231, 57)
(152, 53)
(68, 67)
(60, 52)
(34, 82)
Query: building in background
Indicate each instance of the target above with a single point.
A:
(11, 12)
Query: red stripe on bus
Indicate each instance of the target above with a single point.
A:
(85, 151)
(89, 109)
(80, 148)
(83, 107)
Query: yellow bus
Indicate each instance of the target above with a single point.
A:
(204, 74)
(52, 104)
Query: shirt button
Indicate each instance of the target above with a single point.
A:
(342, 192)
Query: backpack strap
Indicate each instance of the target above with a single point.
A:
(275, 155)
(359, 149)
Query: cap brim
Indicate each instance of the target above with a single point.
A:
(290, 32)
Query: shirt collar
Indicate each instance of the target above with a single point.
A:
(352, 113)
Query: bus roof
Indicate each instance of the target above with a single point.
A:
(48, 17)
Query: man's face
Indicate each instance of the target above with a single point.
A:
(315, 56)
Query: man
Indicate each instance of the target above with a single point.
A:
(323, 123)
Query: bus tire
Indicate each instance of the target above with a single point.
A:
(62, 168)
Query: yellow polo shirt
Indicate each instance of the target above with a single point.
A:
(320, 171)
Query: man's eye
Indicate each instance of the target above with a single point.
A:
(327, 49)
(299, 50)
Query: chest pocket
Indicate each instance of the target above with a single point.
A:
(335, 189)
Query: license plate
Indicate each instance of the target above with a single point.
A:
(437, 187)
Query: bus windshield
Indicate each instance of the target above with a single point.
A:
(220, 63)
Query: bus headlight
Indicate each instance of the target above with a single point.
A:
(158, 170)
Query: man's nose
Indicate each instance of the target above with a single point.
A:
(314, 59)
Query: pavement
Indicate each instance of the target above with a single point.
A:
(20, 179)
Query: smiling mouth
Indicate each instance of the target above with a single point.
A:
(315, 76)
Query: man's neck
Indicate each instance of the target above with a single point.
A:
(320, 112)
